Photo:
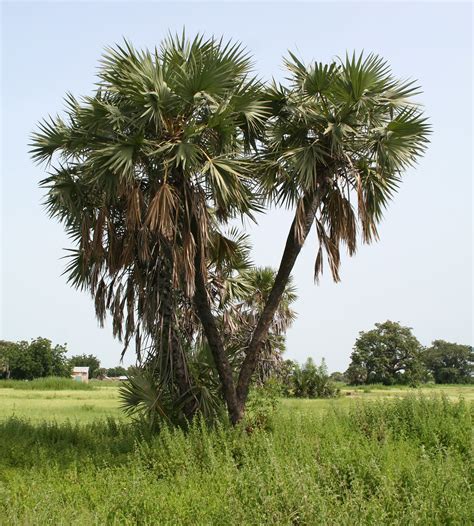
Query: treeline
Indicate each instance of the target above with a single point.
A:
(390, 354)
(39, 358)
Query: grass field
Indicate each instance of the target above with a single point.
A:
(388, 456)
(60, 405)
(101, 400)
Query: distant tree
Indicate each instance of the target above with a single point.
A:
(36, 359)
(449, 363)
(285, 376)
(6, 349)
(357, 372)
(86, 360)
(117, 371)
(388, 354)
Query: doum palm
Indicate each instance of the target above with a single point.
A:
(175, 144)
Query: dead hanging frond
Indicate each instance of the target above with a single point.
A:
(134, 208)
(95, 272)
(300, 222)
(84, 242)
(331, 247)
(339, 215)
(319, 264)
(336, 225)
(161, 215)
(143, 244)
(100, 302)
(305, 212)
(189, 253)
(98, 237)
(367, 221)
(197, 214)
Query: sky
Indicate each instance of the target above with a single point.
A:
(419, 273)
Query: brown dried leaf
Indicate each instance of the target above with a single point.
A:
(162, 211)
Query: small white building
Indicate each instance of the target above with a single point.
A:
(80, 374)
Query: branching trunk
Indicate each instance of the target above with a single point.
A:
(295, 241)
(236, 396)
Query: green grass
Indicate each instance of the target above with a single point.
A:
(60, 406)
(101, 401)
(399, 461)
(377, 391)
(50, 383)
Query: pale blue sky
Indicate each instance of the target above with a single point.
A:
(420, 273)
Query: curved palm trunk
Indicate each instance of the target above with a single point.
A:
(297, 235)
(236, 395)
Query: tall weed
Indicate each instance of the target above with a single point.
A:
(399, 462)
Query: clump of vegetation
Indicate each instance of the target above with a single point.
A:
(398, 462)
(388, 354)
(450, 363)
(306, 381)
(262, 406)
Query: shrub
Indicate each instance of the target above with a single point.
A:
(313, 381)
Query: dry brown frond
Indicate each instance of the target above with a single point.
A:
(134, 208)
(161, 211)
(189, 252)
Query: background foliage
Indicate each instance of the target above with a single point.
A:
(390, 354)
(36, 359)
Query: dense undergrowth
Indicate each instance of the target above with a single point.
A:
(400, 462)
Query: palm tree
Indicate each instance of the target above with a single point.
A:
(143, 172)
(340, 137)
(242, 314)
(176, 143)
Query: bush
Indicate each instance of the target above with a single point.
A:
(312, 381)
(261, 406)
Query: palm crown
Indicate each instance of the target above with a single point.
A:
(343, 132)
(149, 165)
